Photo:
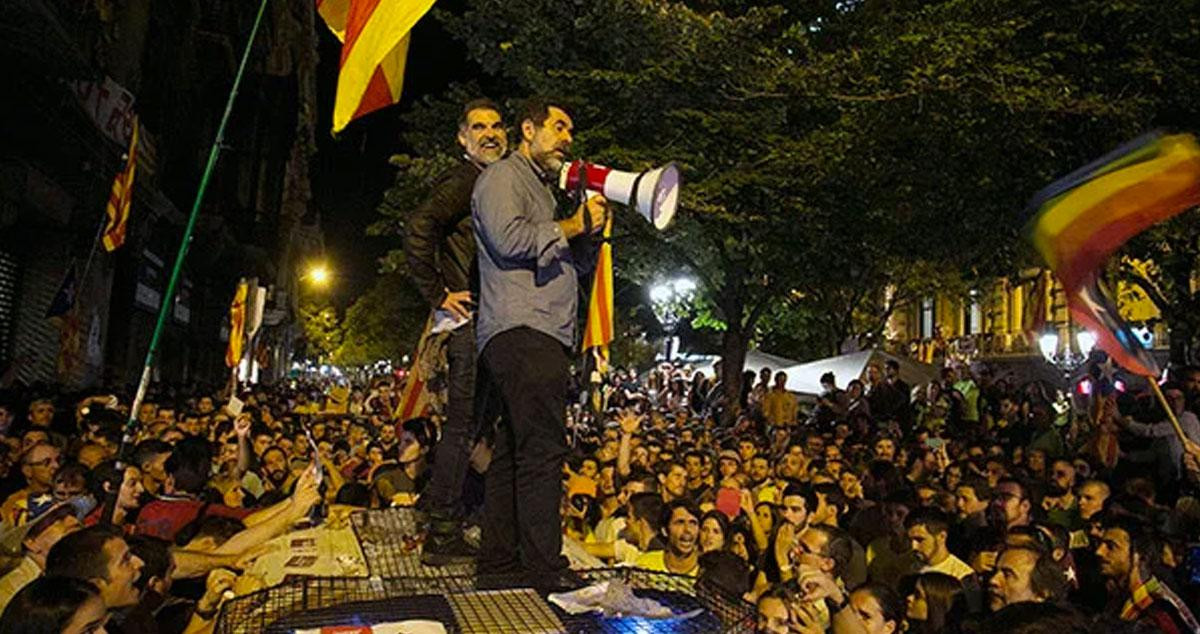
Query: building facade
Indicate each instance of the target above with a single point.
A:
(1005, 318)
(82, 73)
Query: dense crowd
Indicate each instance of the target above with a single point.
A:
(965, 504)
(161, 538)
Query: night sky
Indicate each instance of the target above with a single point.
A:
(350, 174)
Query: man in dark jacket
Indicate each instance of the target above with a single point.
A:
(440, 249)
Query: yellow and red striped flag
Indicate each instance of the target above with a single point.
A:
(415, 397)
(237, 325)
(121, 197)
(599, 330)
(374, 35)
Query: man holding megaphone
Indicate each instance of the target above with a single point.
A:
(529, 268)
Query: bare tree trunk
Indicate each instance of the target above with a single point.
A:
(733, 360)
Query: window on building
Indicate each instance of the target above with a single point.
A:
(973, 319)
(927, 318)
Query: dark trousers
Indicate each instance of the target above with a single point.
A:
(454, 450)
(522, 531)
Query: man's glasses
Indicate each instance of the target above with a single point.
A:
(44, 462)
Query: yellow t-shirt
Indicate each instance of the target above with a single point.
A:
(655, 561)
(780, 407)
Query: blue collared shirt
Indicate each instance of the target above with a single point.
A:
(528, 271)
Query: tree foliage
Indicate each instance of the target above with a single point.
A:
(322, 328)
(383, 324)
(840, 157)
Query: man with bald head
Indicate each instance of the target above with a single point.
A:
(38, 465)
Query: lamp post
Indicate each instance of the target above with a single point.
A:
(671, 300)
(1061, 355)
(318, 274)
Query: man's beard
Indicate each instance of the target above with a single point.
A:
(277, 477)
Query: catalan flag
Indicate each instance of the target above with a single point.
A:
(418, 394)
(237, 325)
(374, 35)
(1080, 220)
(599, 331)
(121, 197)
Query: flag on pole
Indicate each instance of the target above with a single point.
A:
(598, 333)
(237, 325)
(1033, 318)
(121, 197)
(64, 299)
(419, 395)
(1083, 218)
(374, 35)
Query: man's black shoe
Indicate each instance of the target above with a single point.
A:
(441, 550)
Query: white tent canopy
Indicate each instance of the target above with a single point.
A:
(755, 361)
(805, 378)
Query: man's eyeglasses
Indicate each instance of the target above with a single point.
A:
(581, 502)
(44, 462)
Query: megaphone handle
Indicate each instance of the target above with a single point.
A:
(581, 197)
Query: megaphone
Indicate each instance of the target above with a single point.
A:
(654, 193)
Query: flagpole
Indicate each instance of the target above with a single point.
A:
(92, 252)
(181, 255)
(1183, 439)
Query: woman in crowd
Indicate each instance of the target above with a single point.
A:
(55, 605)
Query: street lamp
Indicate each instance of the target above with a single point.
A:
(1067, 360)
(318, 274)
(671, 300)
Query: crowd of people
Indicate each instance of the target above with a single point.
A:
(966, 504)
(159, 529)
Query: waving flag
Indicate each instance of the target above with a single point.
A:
(121, 197)
(237, 325)
(1081, 219)
(374, 35)
(599, 331)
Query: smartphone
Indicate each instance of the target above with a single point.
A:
(933, 442)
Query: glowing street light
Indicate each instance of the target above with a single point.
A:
(318, 274)
(1067, 360)
(671, 300)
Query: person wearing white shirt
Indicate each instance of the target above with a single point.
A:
(928, 530)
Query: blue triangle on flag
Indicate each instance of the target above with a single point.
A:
(64, 299)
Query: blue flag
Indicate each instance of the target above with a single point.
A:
(64, 299)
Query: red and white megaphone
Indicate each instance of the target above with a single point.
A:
(654, 193)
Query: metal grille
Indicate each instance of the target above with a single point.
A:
(462, 601)
(312, 602)
(519, 611)
(391, 544)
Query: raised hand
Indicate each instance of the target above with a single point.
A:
(630, 422)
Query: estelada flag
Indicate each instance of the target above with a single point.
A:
(1081, 219)
(374, 35)
(64, 299)
(598, 333)
(121, 197)
(1078, 221)
(416, 397)
(237, 326)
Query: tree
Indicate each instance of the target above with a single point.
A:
(384, 323)
(1170, 252)
(832, 149)
(322, 330)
